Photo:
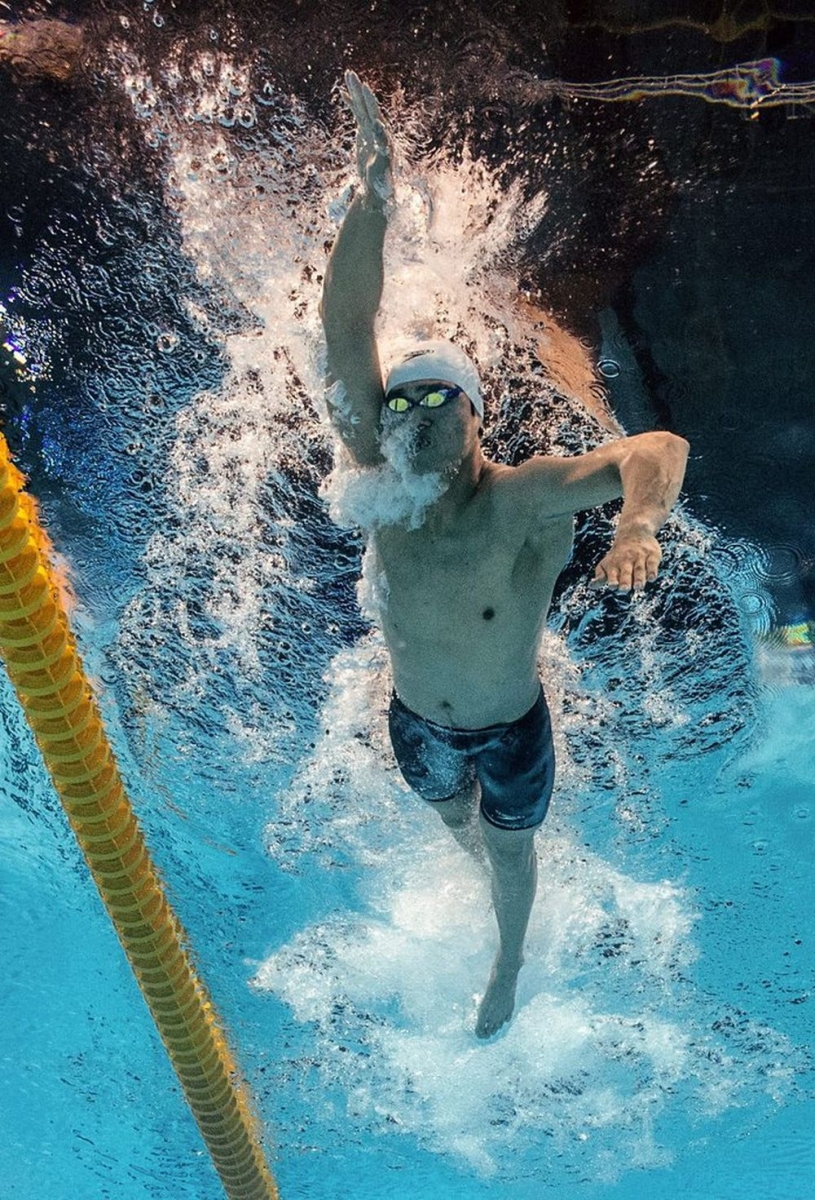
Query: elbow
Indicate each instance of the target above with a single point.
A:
(667, 452)
(667, 438)
(663, 441)
(681, 448)
(673, 453)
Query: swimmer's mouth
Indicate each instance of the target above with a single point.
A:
(422, 441)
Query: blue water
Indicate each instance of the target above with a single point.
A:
(619, 1077)
(662, 1040)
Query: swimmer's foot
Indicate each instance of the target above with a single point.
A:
(499, 998)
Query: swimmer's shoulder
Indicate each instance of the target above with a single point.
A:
(516, 499)
(548, 485)
(519, 488)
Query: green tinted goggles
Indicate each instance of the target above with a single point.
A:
(434, 397)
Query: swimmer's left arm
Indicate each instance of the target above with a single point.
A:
(646, 470)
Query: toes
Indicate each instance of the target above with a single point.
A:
(486, 1029)
(490, 1021)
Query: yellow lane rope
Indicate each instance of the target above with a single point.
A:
(47, 673)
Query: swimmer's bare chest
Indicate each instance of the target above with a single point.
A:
(463, 614)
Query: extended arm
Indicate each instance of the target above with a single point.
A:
(353, 287)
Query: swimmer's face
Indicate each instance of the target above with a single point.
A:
(439, 438)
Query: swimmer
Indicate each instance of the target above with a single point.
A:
(468, 591)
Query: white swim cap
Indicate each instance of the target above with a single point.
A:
(442, 361)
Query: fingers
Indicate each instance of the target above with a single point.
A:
(356, 100)
(372, 108)
(652, 562)
(373, 148)
(366, 110)
(353, 86)
(627, 573)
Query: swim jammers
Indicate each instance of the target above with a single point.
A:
(514, 763)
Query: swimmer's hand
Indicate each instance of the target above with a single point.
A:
(373, 141)
(632, 561)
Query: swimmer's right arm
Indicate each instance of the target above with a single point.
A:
(353, 287)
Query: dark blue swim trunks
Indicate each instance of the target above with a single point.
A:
(514, 763)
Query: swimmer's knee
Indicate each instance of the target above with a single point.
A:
(458, 810)
(509, 843)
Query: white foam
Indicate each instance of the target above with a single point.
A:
(391, 494)
(608, 1033)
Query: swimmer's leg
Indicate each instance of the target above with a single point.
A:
(458, 814)
(511, 854)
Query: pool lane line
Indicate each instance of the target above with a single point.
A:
(44, 666)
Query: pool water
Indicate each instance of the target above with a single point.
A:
(175, 434)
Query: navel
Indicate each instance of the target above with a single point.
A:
(488, 614)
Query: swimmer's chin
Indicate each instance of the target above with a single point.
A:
(416, 469)
(421, 464)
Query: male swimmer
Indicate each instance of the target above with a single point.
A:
(468, 591)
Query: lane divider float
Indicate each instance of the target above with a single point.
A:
(46, 671)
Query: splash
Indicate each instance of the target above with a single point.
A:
(610, 1037)
(393, 494)
(258, 190)
(242, 583)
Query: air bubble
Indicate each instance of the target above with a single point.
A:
(608, 368)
